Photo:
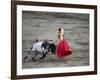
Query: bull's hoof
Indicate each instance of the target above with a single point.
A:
(33, 59)
(25, 58)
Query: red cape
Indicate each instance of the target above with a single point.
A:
(63, 49)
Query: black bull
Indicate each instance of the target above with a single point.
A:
(46, 46)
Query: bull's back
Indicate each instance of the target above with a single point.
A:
(37, 46)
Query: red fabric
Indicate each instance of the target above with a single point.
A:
(63, 49)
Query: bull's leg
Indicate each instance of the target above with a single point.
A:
(34, 55)
(28, 54)
(43, 56)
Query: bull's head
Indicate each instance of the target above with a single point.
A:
(52, 48)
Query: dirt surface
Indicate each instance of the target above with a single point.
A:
(42, 25)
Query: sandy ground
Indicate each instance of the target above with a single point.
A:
(42, 25)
